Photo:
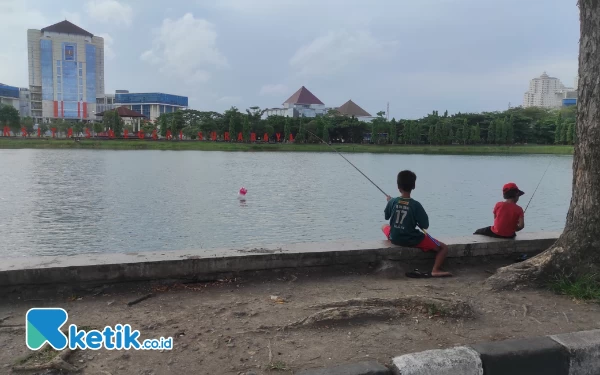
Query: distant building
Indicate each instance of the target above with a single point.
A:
(151, 105)
(24, 102)
(105, 103)
(352, 109)
(9, 95)
(301, 104)
(66, 71)
(547, 92)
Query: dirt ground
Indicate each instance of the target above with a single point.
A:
(284, 322)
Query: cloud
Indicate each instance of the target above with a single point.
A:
(339, 51)
(186, 48)
(15, 18)
(109, 52)
(273, 89)
(229, 99)
(110, 11)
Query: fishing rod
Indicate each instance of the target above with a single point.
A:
(349, 162)
(538, 185)
(371, 181)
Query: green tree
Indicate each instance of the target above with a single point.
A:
(9, 116)
(431, 135)
(117, 124)
(324, 121)
(43, 128)
(393, 131)
(459, 134)
(558, 128)
(27, 123)
(510, 131)
(491, 136)
(287, 129)
(78, 128)
(500, 131)
(177, 123)
(475, 134)
(466, 133)
(505, 131)
(98, 127)
(232, 122)
(148, 127)
(246, 131)
(570, 133)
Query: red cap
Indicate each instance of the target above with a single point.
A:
(511, 186)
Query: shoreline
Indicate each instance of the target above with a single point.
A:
(192, 145)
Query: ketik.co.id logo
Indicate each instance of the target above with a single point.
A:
(43, 325)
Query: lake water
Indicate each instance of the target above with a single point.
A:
(81, 201)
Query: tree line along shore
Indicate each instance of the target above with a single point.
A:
(513, 127)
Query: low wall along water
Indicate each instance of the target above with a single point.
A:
(209, 264)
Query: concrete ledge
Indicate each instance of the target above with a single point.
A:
(575, 353)
(537, 355)
(583, 349)
(360, 368)
(459, 360)
(198, 264)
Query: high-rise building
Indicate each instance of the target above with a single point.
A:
(302, 103)
(66, 72)
(546, 92)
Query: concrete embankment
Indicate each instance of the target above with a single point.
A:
(213, 264)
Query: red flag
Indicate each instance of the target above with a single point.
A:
(266, 138)
(87, 133)
(252, 137)
(39, 132)
(169, 136)
(200, 136)
(6, 131)
(291, 138)
(53, 132)
(227, 136)
(181, 135)
(23, 132)
(111, 133)
(240, 137)
(70, 133)
(141, 134)
(154, 135)
(126, 133)
(278, 135)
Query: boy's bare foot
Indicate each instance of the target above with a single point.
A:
(440, 274)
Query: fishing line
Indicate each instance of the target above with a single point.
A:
(538, 185)
(340, 154)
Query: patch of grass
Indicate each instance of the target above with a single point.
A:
(277, 366)
(586, 287)
(434, 310)
(137, 144)
(39, 357)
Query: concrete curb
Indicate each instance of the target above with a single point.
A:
(567, 354)
(211, 264)
(576, 353)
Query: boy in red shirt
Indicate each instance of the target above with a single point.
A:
(509, 217)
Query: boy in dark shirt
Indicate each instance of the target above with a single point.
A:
(509, 217)
(405, 215)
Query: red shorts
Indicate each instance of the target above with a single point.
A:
(426, 245)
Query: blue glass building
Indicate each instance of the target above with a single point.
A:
(151, 105)
(9, 95)
(66, 72)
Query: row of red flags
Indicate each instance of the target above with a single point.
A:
(142, 135)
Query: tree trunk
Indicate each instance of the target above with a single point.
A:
(577, 251)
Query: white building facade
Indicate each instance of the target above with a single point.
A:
(66, 72)
(546, 92)
(301, 104)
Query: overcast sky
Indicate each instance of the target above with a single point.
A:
(418, 55)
